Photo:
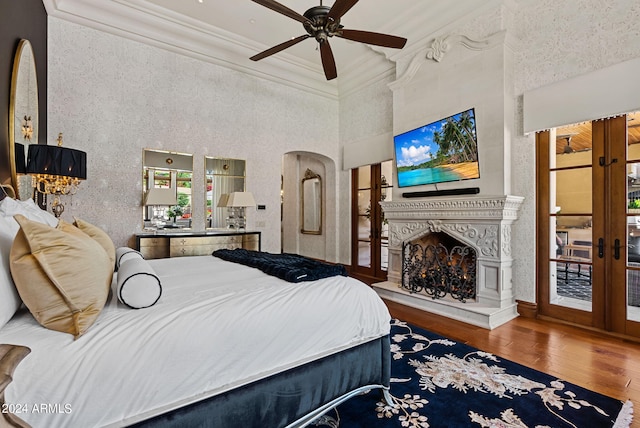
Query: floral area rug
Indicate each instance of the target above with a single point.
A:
(436, 382)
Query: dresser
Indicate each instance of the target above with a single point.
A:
(180, 244)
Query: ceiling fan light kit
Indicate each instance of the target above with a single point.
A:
(322, 23)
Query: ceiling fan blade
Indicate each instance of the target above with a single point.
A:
(339, 8)
(274, 5)
(328, 61)
(370, 38)
(278, 48)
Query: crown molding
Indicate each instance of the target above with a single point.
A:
(146, 23)
(370, 70)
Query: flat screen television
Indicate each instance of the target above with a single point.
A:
(445, 150)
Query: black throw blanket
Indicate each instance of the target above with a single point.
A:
(289, 267)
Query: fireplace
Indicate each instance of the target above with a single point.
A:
(438, 265)
(480, 225)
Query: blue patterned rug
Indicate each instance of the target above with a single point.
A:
(436, 382)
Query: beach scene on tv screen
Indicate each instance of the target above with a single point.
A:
(445, 150)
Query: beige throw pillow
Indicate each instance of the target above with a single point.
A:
(63, 276)
(100, 236)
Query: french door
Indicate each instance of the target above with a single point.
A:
(588, 224)
(369, 230)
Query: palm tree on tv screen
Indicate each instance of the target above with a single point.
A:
(458, 141)
(467, 124)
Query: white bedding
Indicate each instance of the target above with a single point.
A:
(218, 325)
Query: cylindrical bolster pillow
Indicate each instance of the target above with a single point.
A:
(125, 253)
(138, 285)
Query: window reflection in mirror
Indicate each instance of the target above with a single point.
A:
(222, 176)
(166, 182)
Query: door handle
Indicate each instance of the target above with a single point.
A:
(601, 247)
(616, 249)
(603, 162)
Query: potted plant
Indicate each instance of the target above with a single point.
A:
(174, 212)
(179, 209)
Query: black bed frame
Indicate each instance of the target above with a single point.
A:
(293, 398)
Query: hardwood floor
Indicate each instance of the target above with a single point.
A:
(593, 360)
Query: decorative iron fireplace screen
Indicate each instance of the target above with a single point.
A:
(436, 270)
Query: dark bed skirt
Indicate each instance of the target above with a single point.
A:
(289, 398)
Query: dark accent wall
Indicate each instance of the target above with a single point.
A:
(22, 19)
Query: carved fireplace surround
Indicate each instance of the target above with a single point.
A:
(482, 222)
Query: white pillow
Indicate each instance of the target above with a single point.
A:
(138, 285)
(10, 207)
(125, 253)
(38, 213)
(9, 298)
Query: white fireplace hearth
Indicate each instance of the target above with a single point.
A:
(481, 222)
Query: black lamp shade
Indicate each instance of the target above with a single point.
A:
(21, 166)
(56, 160)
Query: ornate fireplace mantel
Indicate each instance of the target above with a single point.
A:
(482, 222)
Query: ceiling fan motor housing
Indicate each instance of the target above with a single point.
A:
(319, 26)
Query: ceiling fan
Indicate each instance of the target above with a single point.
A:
(567, 149)
(322, 22)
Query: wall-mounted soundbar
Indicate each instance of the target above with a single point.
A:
(446, 192)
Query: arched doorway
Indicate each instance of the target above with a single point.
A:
(321, 246)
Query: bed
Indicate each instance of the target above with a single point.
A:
(225, 345)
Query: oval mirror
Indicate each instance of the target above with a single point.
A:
(311, 203)
(23, 114)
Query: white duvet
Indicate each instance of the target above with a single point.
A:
(218, 325)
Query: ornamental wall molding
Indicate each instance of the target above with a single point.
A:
(478, 208)
(506, 240)
(483, 237)
(437, 48)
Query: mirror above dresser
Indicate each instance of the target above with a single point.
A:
(223, 176)
(166, 181)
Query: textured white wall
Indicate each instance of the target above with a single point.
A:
(112, 97)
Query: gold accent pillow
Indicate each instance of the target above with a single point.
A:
(99, 235)
(62, 275)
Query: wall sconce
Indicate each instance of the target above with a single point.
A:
(27, 128)
(56, 170)
(236, 203)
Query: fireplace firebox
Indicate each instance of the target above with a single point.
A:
(439, 265)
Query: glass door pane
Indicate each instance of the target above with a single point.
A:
(571, 196)
(386, 187)
(364, 217)
(590, 263)
(633, 217)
